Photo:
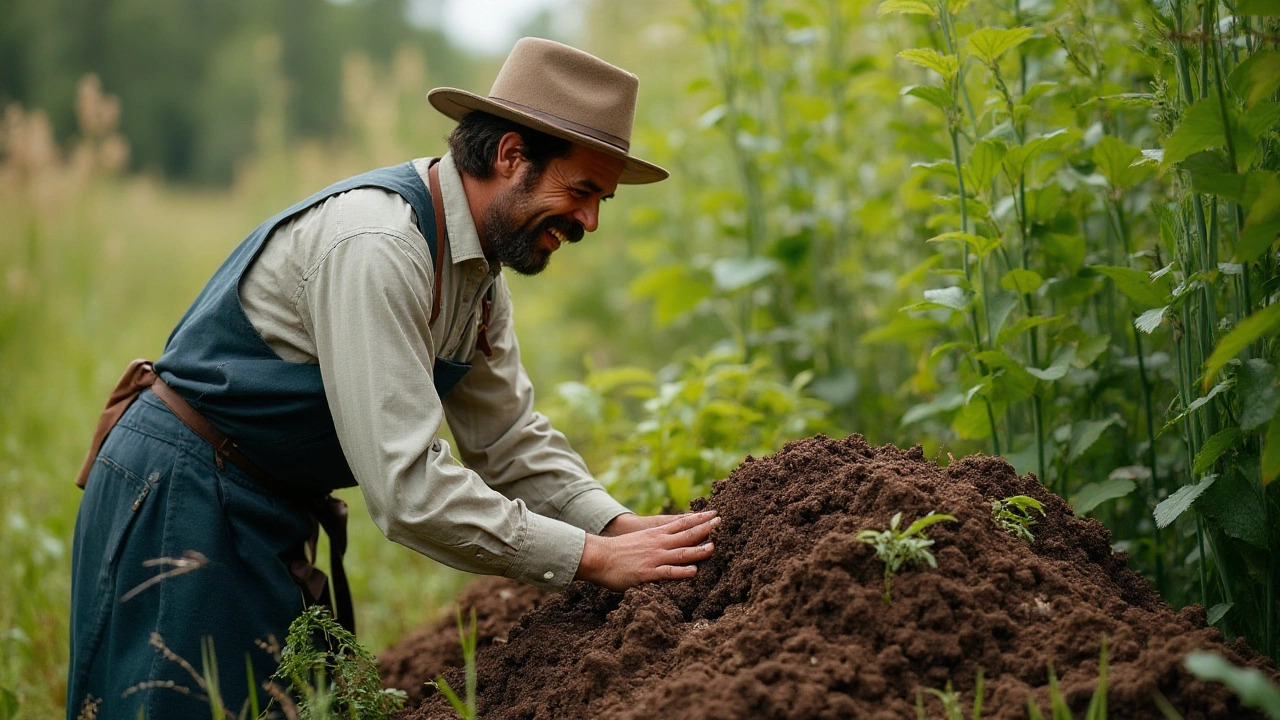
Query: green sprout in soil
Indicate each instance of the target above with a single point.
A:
(465, 709)
(1013, 515)
(898, 548)
(950, 700)
(1058, 709)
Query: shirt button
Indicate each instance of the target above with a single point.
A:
(548, 575)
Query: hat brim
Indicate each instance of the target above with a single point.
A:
(456, 104)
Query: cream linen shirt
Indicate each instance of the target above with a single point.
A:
(348, 284)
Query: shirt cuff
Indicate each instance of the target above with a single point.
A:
(592, 509)
(549, 554)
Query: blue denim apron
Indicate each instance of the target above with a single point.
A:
(172, 545)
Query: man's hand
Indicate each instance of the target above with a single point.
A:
(664, 551)
(630, 522)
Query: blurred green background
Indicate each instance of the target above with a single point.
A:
(779, 285)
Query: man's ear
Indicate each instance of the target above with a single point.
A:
(510, 156)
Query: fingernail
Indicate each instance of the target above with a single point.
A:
(715, 522)
(707, 546)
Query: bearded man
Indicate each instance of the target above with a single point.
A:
(327, 351)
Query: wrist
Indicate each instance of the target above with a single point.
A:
(620, 525)
(592, 563)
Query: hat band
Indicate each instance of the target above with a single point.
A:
(550, 119)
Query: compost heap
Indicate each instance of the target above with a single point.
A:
(788, 618)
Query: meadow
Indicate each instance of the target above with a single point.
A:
(1040, 230)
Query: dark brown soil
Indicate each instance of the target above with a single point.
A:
(787, 620)
(421, 656)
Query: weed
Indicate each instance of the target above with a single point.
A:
(1250, 685)
(950, 700)
(466, 710)
(340, 680)
(1013, 515)
(1058, 708)
(898, 548)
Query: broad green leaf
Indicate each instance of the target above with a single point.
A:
(1023, 282)
(1020, 156)
(1255, 240)
(999, 307)
(972, 422)
(1024, 325)
(1148, 321)
(926, 521)
(955, 298)
(1234, 504)
(907, 7)
(1084, 434)
(1258, 77)
(1037, 91)
(1094, 494)
(675, 290)
(901, 329)
(1062, 358)
(1249, 684)
(943, 403)
(988, 44)
(945, 65)
(957, 6)
(931, 94)
(1260, 119)
(1217, 612)
(1264, 323)
(1271, 453)
(1138, 286)
(1115, 160)
(980, 245)
(1258, 396)
(1171, 507)
(1213, 449)
(1200, 129)
(733, 273)
(1202, 401)
(1016, 377)
(984, 161)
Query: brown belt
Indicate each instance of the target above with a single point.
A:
(327, 511)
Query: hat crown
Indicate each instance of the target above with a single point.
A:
(571, 85)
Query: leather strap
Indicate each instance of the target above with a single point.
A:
(442, 233)
(326, 511)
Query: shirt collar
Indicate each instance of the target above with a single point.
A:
(464, 241)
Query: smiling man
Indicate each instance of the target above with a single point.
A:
(328, 351)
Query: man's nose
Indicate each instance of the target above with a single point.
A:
(588, 216)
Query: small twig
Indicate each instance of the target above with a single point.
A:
(190, 560)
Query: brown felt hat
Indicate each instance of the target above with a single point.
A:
(563, 92)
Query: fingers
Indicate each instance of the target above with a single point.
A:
(697, 553)
(673, 572)
(693, 535)
(684, 522)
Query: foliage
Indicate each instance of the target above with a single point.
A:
(900, 548)
(466, 709)
(333, 674)
(1249, 683)
(1058, 708)
(1013, 515)
(950, 700)
(676, 431)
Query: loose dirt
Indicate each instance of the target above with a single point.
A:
(787, 619)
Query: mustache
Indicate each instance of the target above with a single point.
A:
(572, 229)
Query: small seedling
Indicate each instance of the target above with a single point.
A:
(466, 710)
(1013, 515)
(898, 548)
(950, 699)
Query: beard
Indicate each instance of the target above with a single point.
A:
(513, 232)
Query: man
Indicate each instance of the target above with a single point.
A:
(327, 351)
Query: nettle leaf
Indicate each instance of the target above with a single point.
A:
(956, 298)
(1202, 401)
(1258, 396)
(1058, 365)
(1235, 505)
(1249, 684)
(1138, 286)
(1023, 282)
(1148, 321)
(1173, 506)
(1271, 453)
(1024, 325)
(1258, 77)
(1000, 305)
(980, 245)
(1037, 91)
(906, 7)
(1201, 128)
(984, 161)
(901, 329)
(1217, 612)
(1084, 434)
(1094, 494)
(1264, 323)
(1258, 7)
(941, 404)
(988, 44)
(1213, 449)
(1122, 164)
(931, 94)
(1020, 155)
(738, 272)
(948, 66)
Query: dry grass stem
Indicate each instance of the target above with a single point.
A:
(190, 560)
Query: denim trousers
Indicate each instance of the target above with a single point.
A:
(173, 555)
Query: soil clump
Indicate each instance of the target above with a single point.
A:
(422, 655)
(788, 620)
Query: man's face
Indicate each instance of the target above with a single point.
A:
(534, 215)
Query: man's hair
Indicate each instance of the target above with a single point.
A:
(474, 144)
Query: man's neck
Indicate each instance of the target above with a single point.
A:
(479, 194)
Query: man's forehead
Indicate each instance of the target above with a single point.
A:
(592, 169)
